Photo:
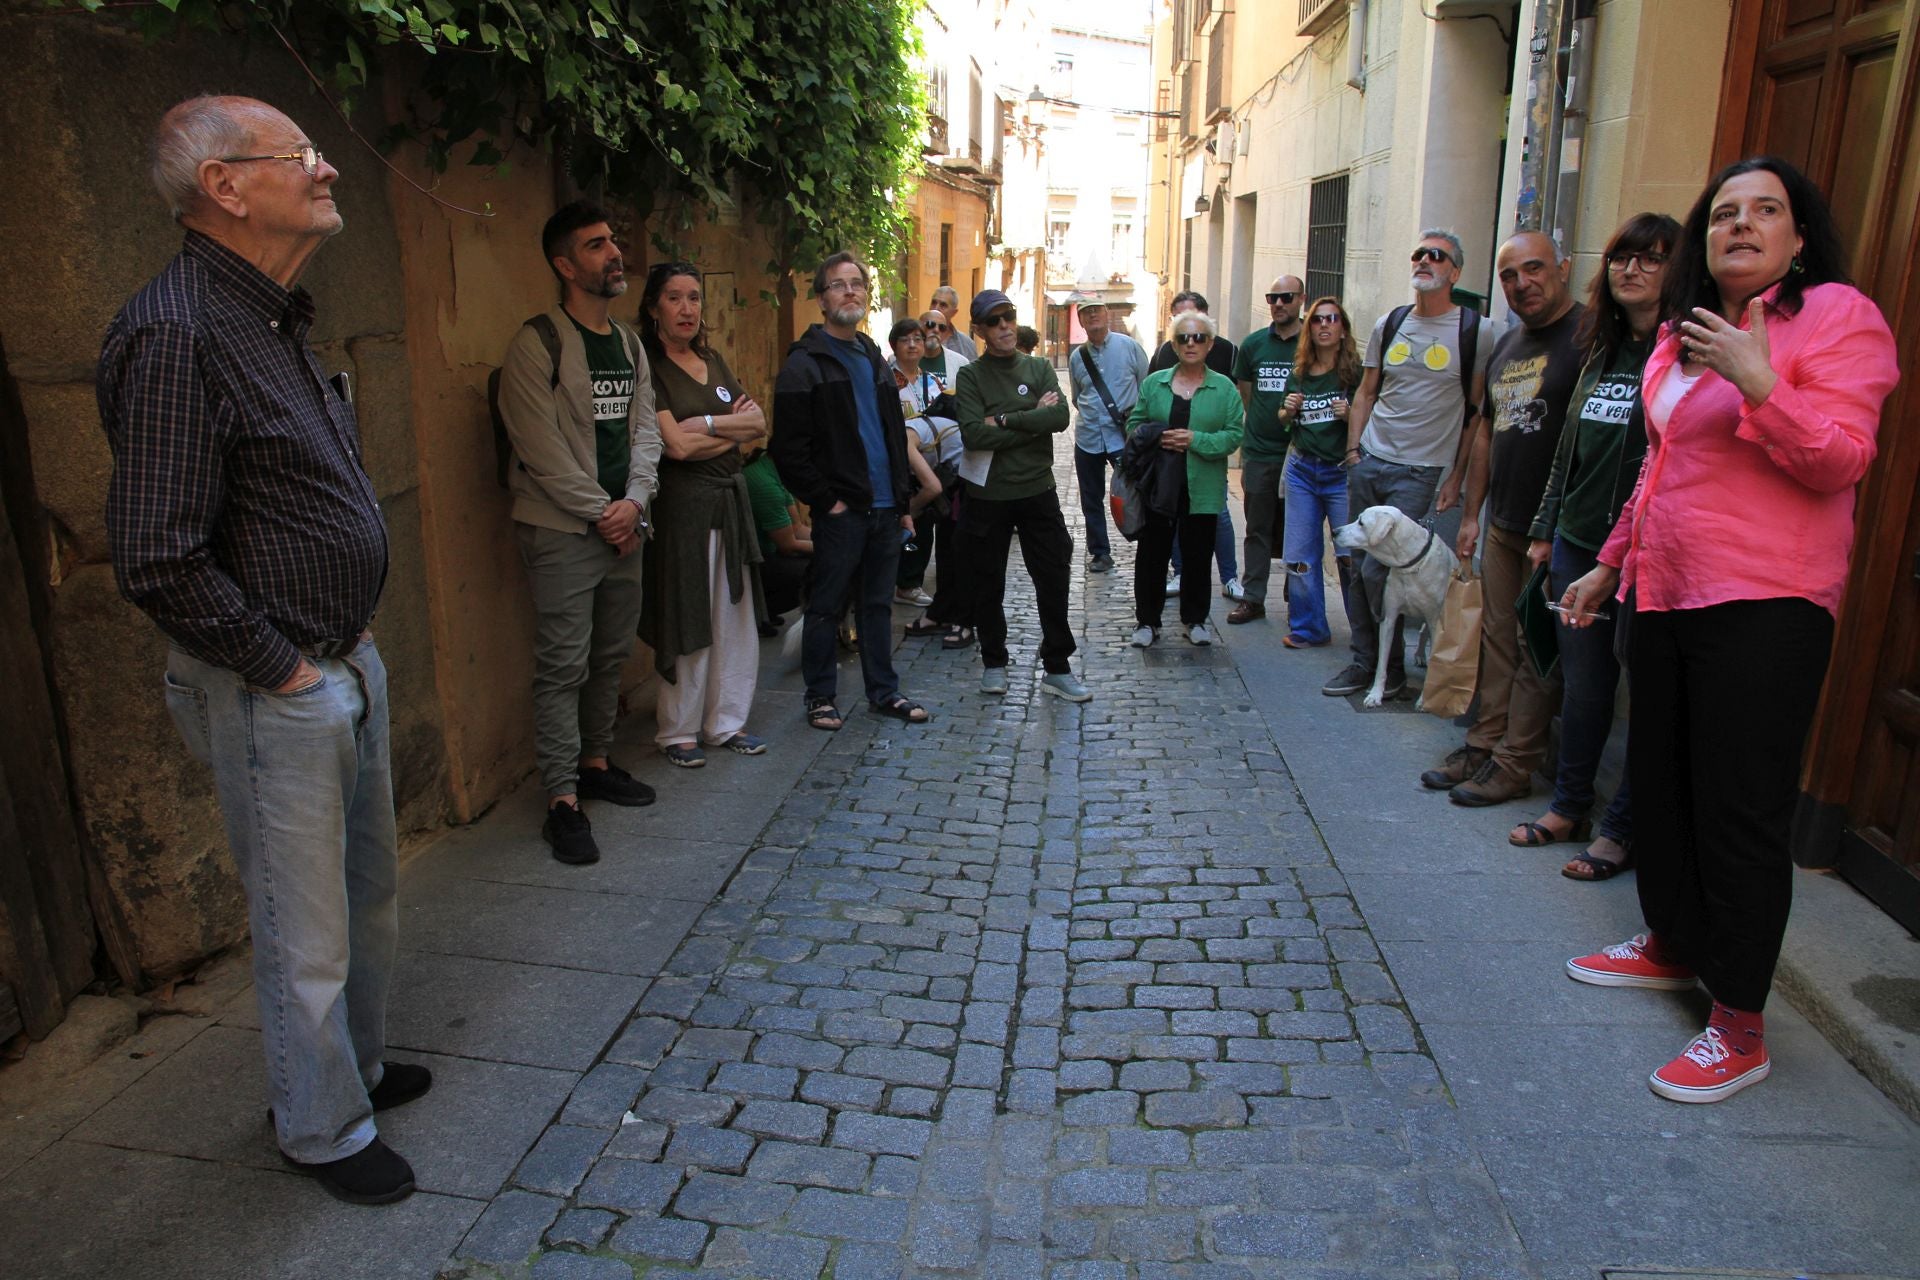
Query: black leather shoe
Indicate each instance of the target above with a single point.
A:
(400, 1083)
(375, 1174)
(614, 785)
(571, 835)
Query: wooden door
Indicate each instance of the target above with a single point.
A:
(1832, 85)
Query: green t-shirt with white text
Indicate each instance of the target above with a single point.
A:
(1267, 362)
(611, 370)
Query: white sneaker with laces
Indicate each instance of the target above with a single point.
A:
(913, 596)
(1198, 634)
(1173, 584)
(1232, 590)
(1143, 637)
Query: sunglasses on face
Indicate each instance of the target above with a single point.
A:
(1191, 339)
(1326, 319)
(1427, 253)
(939, 328)
(1004, 317)
(1276, 299)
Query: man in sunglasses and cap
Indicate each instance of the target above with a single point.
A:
(1409, 433)
(1010, 410)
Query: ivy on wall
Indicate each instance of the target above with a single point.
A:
(815, 106)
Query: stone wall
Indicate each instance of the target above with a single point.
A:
(418, 302)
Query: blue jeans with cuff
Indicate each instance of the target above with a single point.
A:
(1316, 500)
(306, 791)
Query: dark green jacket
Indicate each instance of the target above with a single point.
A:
(1023, 449)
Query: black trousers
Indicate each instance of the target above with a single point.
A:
(1722, 700)
(986, 536)
(783, 579)
(1154, 551)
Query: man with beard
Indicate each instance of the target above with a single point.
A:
(841, 447)
(578, 406)
(1530, 379)
(1426, 369)
(242, 521)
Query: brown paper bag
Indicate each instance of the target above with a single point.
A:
(1454, 665)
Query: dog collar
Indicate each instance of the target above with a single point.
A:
(1431, 533)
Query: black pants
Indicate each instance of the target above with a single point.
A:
(952, 601)
(1154, 551)
(1722, 700)
(856, 556)
(783, 578)
(986, 536)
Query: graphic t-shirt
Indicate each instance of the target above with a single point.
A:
(1602, 403)
(770, 500)
(1529, 384)
(1266, 360)
(611, 369)
(1417, 417)
(1317, 432)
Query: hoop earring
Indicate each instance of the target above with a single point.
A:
(1794, 267)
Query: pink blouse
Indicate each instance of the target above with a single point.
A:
(1755, 502)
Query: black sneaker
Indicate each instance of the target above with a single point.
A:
(614, 785)
(1100, 564)
(375, 1174)
(400, 1083)
(571, 835)
(1352, 680)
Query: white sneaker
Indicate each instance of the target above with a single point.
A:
(913, 596)
(1233, 590)
(1143, 637)
(1198, 634)
(1173, 584)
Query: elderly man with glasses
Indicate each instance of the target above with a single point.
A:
(1010, 410)
(940, 360)
(1426, 375)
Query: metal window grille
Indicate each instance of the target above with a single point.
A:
(1327, 237)
(1217, 70)
(946, 253)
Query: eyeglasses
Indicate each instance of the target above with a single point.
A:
(845, 286)
(1646, 260)
(1427, 253)
(308, 157)
(1000, 318)
(1326, 319)
(1275, 299)
(1192, 339)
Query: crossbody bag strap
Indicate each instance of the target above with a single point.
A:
(1100, 387)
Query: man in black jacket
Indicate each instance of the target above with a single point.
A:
(840, 443)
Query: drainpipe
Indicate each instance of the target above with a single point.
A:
(1537, 171)
(1357, 45)
(1576, 99)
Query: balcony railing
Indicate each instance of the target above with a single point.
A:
(936, 144)
(1317, 15)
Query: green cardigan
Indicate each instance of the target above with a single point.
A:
(1218, 420)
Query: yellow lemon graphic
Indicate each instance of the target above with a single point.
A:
(1438, 357)
(1399, 353)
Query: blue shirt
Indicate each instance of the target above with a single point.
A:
(1122, 363)
(866, 403)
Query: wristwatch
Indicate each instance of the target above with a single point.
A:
(710, 429)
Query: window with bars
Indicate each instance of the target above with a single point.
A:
(1327, 237)
(946, 253)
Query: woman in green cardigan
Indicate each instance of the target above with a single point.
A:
(1205, 421)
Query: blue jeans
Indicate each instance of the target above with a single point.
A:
(856, 556)
(307, 796)
(1589, 674)
(1090, 470)
(1223, 552)
(1316, 499)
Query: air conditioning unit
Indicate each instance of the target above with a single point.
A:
(1223, 142)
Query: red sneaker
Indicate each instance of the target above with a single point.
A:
(1629, 965)
(1710, 1070)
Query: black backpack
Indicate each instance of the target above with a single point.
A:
(542, 325)
(1469, 342)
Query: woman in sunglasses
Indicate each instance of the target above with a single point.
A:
(1197, 414)
(1325, 373)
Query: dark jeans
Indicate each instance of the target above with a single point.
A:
(952, 599)
(1264, 503)
(1589, 675)
(783, 577)
(1375, 482)
(855, 554)
(986, 534)
(1090, 471)
(1151, 554)
(1722, 700)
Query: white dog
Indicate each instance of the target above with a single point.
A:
(1419, 565)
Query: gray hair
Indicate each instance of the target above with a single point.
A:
(1441, 233)
(192, 133)
(1200, 318)
(945, 293)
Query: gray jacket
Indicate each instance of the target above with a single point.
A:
(554, 478)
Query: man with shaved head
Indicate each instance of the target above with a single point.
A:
(1264, 369)
(242, 520)
(1530, 379)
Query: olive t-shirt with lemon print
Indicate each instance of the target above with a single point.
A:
(1416, 419)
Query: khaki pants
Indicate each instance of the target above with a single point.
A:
(1516, 704)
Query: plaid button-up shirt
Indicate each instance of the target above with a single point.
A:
(239, 515)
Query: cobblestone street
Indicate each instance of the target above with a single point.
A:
(1037, 991)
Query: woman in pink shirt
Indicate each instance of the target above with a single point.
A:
(1762, 398)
